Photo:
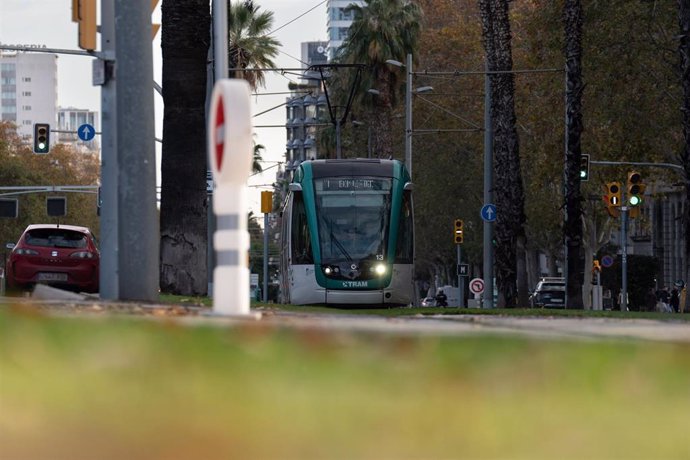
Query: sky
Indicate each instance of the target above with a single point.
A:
(48, 22)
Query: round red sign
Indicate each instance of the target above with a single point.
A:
(219, 132)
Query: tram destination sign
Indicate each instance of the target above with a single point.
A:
(347, 184)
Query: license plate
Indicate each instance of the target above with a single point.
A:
(557, 300)
(52, 277)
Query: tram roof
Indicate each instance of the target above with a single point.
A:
(353, 167)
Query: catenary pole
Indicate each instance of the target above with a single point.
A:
(488, 251)
(408, 115)
(220, 71)
(109, 273)
(138, 231)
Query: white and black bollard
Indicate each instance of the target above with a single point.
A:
(230, 155)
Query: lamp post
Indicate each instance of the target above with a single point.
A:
(408, 114)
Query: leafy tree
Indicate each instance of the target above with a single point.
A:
(509, 193)
(64, 165)
(185, 36)
(249, 43)
(381, 30)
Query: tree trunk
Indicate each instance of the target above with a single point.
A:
(509, 192)
(572, 229)
(684, 52)
(185, 38)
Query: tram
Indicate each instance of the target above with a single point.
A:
(347, 234)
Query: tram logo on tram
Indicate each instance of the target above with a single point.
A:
(347, 234)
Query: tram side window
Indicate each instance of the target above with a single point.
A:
(301, 238)
(404, 249)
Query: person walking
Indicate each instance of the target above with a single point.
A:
(441, 299)
(675, 299)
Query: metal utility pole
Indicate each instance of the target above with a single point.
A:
(408, 114)
(624, 256)
(220, 71)
(138, 231)
(488, 194)
(109, 274)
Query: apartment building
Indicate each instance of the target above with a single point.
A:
(28, 89)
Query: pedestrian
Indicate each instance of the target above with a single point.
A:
(650, 300)
(441, 299)
(662, 297)
(675, 299)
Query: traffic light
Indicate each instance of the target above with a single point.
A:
(41, 138)
(635, 188)
(584, 167)
(84, 13)
(458, 231)
(596, 266)
(612, 199)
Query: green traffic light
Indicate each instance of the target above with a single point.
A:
(634, 200)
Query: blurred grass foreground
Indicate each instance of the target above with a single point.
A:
(123, 387)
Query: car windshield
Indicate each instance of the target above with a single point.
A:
(552, 286)
(55, 238)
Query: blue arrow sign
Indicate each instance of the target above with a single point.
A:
(489, 212)
(86, 132)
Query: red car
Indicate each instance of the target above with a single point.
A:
(60, 255)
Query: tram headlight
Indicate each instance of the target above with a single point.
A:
(330, 270)
(380, 269)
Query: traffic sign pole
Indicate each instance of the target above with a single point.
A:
(461, 285)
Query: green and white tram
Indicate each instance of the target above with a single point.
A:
(347, 234)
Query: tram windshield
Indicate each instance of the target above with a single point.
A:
(353, 217)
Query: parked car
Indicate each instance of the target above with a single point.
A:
(66, 256)
(428, 301)
(549, 293)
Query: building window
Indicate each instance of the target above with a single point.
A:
(26, 79)
(26, 93)
(26, 107)
(26, 122)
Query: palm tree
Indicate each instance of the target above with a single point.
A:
(382, 30)
(509, 191)
(249, 45)
(572, 228)
(256, 164)
(186, 26)
(684, 54)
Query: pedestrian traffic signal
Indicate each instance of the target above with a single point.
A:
(635, 188)
(596, 266)
(584, 167)
(84, 13)
(612, 198)
(41, 138)
(458, 231)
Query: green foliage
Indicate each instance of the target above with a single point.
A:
(249, 42)
(19, 166)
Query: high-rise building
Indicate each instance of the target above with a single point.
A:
(305, 108)
(28, 89)
(338, 24)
